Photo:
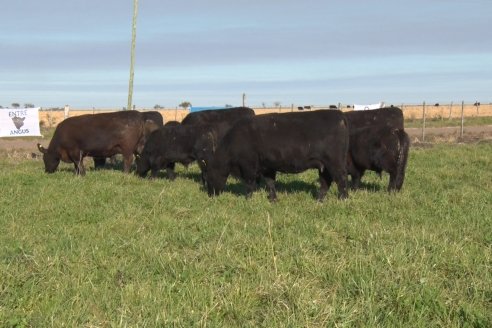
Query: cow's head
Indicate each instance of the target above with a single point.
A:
(50, 159)
(215, 181)
(143, 164)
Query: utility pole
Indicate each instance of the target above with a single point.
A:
(132, 56)
(244, 99)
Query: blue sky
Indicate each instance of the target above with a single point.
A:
(310, 52)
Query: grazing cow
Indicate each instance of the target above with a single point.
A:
(223, 119)
(153, 116)
(378, 148)
(220, 115)
(388, 116)
(97, 135)
(292, 142)
(180, 143)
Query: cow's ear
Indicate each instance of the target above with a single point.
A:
(42, 149)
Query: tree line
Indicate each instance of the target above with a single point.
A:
(17, 105)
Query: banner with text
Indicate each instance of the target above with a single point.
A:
(19, 122)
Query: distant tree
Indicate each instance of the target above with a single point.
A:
(228, 106)
(185, 105)
(28, 105)
(263, 105)
(15, 105)
(157, 106)
(1, 107)
(123, 108)
(277, 104)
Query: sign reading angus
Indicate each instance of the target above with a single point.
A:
(19, 122)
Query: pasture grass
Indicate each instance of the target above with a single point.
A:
(111, 250)
(439, 122)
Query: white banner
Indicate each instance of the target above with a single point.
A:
(19, 122)
(366, 107)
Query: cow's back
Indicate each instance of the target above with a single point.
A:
(215, 116)
(93, 132)
(388, 116)
(154, 116)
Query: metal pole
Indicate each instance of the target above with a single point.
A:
(132, 56)
(423, 122)
(462, 118)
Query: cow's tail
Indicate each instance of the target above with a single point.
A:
(401, 163)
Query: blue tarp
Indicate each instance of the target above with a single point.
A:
(199, 109)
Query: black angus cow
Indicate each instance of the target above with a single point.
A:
(178, 144)
(97, 135)
(387, 116)
(153, 116)
(220, 115)
(377, 119)
(292, 142)
(378, 148)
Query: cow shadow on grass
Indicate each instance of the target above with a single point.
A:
(369, 186)
(195, 176)
(238, 188)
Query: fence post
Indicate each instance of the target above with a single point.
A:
(462, 118)
(423, 122)
(450, 108)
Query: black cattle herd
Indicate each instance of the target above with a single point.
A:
(237, 142)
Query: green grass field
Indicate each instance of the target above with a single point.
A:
(113, 250)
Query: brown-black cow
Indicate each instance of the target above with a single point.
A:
(263, 145)
(153, 116)
(97, 135)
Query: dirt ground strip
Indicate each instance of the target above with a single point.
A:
(446, 134)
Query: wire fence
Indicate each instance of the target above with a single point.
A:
(421, 116)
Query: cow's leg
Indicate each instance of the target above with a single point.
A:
(340, 176)
(79, 167)
(325, 180)
(154, 172)
(270, 184)
(356, 175)
(127, 162)
(249, 177)
(171, 175)
(77, 158)
(392, 186)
